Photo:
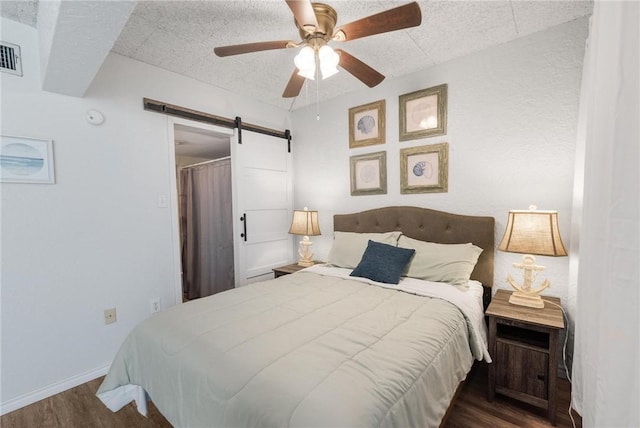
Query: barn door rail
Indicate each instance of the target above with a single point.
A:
(212, 119)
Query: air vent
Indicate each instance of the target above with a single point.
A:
(10, 58)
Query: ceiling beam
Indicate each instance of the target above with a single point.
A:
(75, 38)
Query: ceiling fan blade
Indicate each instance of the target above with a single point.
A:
(359, 69)
(252, 47)
(406, 16)
(294, 86)
(304, 14)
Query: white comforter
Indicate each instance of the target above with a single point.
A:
(468, 301)
(315, 348)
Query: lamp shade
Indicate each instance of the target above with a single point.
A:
(533, 232)
(305, 223)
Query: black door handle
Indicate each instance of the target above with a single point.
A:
(243, 219)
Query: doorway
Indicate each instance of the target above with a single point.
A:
(262, 199)
(202, 208)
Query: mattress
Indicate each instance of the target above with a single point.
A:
(316, 349)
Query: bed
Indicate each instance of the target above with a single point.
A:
(319, 347)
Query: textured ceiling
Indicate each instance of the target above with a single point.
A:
(25, 11)
(180, 36)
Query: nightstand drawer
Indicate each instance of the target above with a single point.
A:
(522, 369)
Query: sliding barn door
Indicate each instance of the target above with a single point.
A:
(263, 205)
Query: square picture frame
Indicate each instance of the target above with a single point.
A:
(424, 169)
(369, 174)
(423, 113)
(367, 124)
(26, 160)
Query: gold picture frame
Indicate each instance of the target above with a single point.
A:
(367, 124)
(424, 169)
(423, 113)
(369, 174)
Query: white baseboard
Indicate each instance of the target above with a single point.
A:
(53, 389)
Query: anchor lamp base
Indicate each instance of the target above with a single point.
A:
(525, 295)
(531, 300)
(305, 256)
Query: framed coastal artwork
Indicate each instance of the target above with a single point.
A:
(367, 125)
(424, 169)
(423, 113)
(26, 160)
(369, 174)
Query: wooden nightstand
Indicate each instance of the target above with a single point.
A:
(286, 270)
(523, 344)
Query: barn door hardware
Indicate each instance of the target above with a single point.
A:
(243, 219)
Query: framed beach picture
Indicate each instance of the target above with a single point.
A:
(424, 169)
(26, 160)
(423, 113)
(366, 125)
(369, 174)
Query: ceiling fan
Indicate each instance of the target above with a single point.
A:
(316, 22)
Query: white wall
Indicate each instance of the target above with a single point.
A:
(96, 239)
(512, 118)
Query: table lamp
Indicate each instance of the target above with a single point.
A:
(305, 223)
(531, 232)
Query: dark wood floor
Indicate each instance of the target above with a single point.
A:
(79, 407)
(473, 410)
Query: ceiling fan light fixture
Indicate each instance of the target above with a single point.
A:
(305, 61)
(316, 23)
(307, 73)
(329, 60)
(339, 36)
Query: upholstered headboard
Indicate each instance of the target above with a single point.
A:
(433, 226)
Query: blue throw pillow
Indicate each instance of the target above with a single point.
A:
(383, 262)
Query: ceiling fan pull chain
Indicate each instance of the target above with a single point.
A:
(306, 90)
(317, 89)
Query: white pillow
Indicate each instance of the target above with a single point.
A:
(348, 247)
(450, 263)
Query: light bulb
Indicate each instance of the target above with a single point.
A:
(329, 60)
(305, 61)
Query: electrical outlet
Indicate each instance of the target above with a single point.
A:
(155, 305)
(110, 316)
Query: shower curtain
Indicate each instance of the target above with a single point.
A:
(206, 229)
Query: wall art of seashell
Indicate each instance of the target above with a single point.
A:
(368, 174)
(422, 168)
(418, 169)
(366, 124)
